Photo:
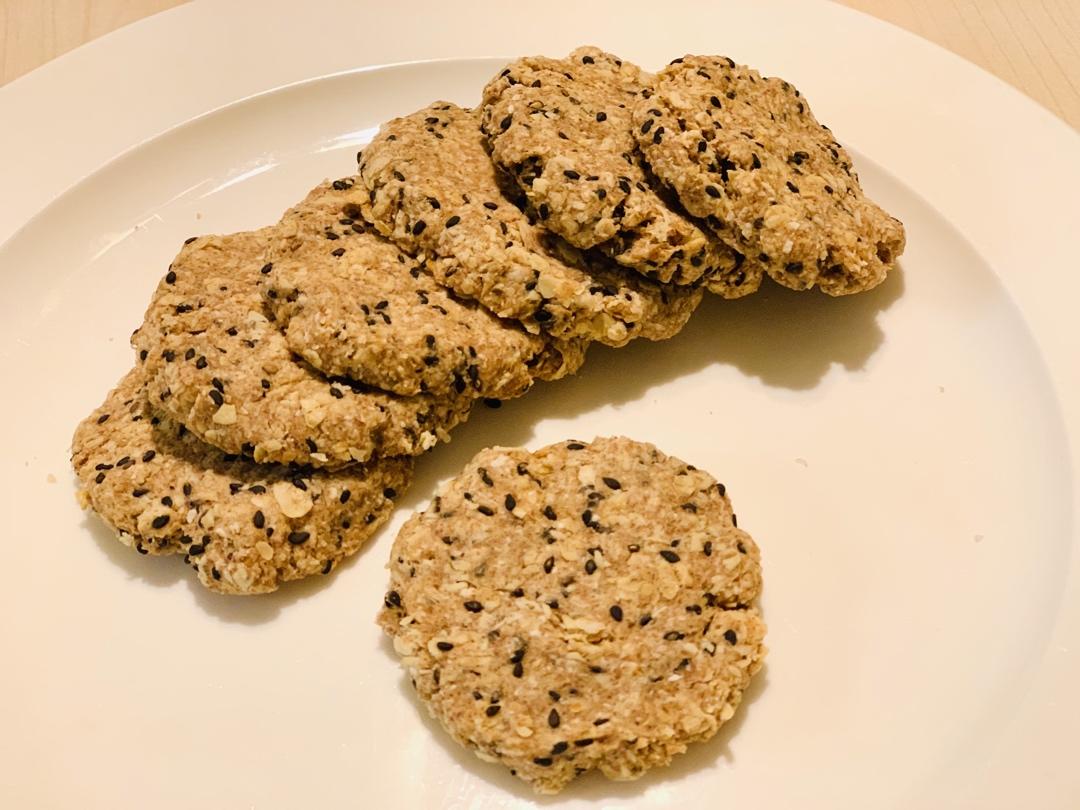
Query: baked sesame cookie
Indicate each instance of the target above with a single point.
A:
(745, 153)
(245, 528)
(435, 192)
(219, 366)
(584, 606)
(562, 129)
(361, 308)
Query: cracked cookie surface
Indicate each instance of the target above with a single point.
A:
(244, 527)
(745, 153)
(219, 366)
(584, 606)
(561, 128)
(435, 192)
(361, 308)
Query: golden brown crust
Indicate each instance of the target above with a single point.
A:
(245, 528)
(584, 606)
(745, 153)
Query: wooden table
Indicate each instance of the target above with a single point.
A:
(1033, 45)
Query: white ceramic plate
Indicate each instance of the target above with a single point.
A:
(905, 458)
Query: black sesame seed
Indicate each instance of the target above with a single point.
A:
(160, 521)
(583, 742)
(99, 478)
(393, 599)
(259, 519)
(518, 670)
(570, 174)
(792, 187)
(708, 548)
(554, 695)
(510, 503)
(730, 637)
(616, 613)
(216, 396)
(559, 747)
(138, 493)
(669, 555)
(170, 277)
(452, 221)
(793, 267)
(299, 538)
(612, 483)
(644, 620)
(542, 761)
(549, 513)
(201, 363)
(492, 710)
(473, 606)
(712, 191)
(148, 455)
(590, 567)
(389, 493)
(601, 116)
(544, 211)
(586, 517)
(445, 646)
(646, 126)
(345, 495)
(485, 510)
(505, 123)
(418, 228)
(549, 564)
(553, 718)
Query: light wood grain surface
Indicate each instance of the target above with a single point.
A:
(1033, 45)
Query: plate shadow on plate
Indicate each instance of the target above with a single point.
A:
(165, 570)
(785, 339)
(592, 786)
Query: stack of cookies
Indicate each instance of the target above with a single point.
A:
(287, 377)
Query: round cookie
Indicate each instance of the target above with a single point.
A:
(219, 366)
(361, 308)
(435, 192)
(245, 528)
(745, 153)
(584, 606)
(562, 129)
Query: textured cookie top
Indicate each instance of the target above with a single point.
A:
(746, 153)
(584, 606)
(562, 129)
(216, 364)
(435, 192)
(244, 527)
(361, 308)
